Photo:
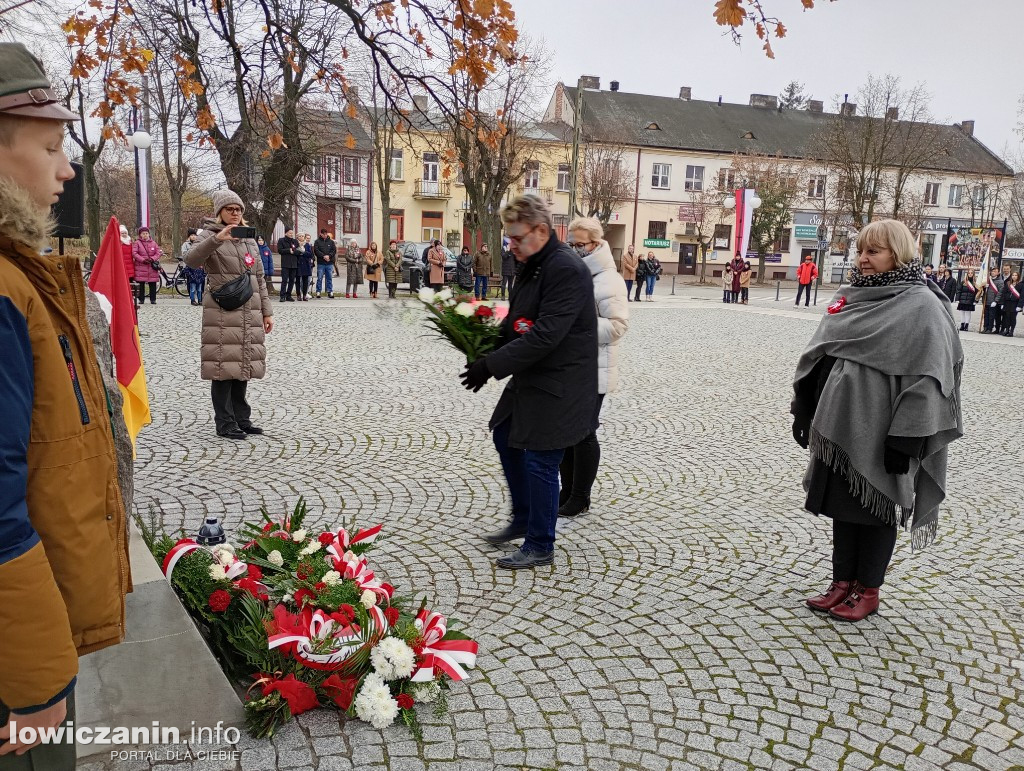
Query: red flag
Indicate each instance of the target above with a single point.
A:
(110, 282)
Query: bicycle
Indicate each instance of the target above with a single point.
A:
(175, 281)
(87, 267)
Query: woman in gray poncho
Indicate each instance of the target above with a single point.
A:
(877, 402)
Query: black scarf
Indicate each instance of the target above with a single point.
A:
(902, 274)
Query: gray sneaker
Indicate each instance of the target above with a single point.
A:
(526, 559)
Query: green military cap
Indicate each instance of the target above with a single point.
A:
(24, 87)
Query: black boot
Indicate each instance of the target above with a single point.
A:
(585, 458)
(574, 506)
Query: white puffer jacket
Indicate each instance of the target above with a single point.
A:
(612, 315)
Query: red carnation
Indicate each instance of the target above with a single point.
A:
(299, 695)
(341, 690)
(301, 573)
(219, 601)
(320, 586)
(253, 587)
(326, 539)
(303, 593)
(254, 572)
(404, 701)
(348, 610)
(391, 614)
(268, 527)
(484, 312)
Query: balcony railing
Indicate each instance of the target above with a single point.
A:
(427, 189)
(547, 193)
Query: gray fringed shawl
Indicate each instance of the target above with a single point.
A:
(897, 373)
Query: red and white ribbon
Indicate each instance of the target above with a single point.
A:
(344, 641)
(232, 570)
(355, 568)
(344, 541)
(441, 656)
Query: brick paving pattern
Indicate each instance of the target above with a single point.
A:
(670, 633)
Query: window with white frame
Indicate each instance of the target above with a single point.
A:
(331, 168)
(956, 196)
(656, 230)
(816, 186)
(351, 219)
(563, 178)
(661, 174)
(460, 177)
(350, 170)
(978, 195)
(931, 194)
(397, 168)
(694, 179)
(532, 179)
(432, 222)
(726, 179)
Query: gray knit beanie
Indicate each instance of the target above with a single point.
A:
(224, 198)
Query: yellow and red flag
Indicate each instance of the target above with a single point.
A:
(109, 281)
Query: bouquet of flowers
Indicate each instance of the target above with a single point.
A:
(471, 326)
(302, 620)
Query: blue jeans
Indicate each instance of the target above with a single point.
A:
(195, 291)
(629, 287)
(480, 288)
(322, 272)
(650, 285)
(532, 477)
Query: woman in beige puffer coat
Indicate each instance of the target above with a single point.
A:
(233, 342)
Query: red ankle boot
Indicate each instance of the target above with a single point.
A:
(860, 604)
(835, 594)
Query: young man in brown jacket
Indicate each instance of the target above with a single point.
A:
(64, 567)
(481, 272)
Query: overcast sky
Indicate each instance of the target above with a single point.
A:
(972, 65)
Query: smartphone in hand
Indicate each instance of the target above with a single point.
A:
(243, 232)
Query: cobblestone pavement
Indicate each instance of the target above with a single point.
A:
(670, 632)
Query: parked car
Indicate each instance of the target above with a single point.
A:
(412, 255)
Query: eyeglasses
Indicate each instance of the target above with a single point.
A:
(232, 210)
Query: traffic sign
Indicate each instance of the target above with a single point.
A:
(823, 244)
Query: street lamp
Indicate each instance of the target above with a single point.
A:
(140, 140)
(730, 202)
(743, 216)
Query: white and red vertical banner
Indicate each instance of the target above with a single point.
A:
(744, 215)
(141, 164)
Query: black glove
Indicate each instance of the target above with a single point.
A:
(475, 375)
(895, 461)
(801, 433)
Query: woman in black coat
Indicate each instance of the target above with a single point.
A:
(966, 299)
(642, 269)
(947, 283)
(1012, 300)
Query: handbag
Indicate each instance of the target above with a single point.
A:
(371, 268)
(235, 293)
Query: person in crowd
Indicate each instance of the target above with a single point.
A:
(878, 408)
(929, 272)
(304, 274)
(736, 264)
(579, 466)
(1012, 301)
(195, 278)
(548, 346)
(146, 255)
(727, 283)
(63, 544)
(436, 260)
(481, 272)
(967, 298)
(267, 257)
(464, 270)
(233, 350)
(652, 274)
(641, 277)
(326, 252)
(392, 269)
(289, 250)
(805, 275)
(630, 260)
(128, 256)
(354, 261)
(341, 257)
(945, 281)
(374, 268)
(508, 272)
(992, 293)
(745, 283)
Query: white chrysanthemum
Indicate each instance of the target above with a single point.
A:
(426, 693)
(393, 659)
(311, 548)
(332, 578)
(223, 556)
(299, 535)
(287, 598)
(368, 598)
(218, 573)
(374, 703)
(426, 294)
(444, 295)
(275, 558)
(465, 309)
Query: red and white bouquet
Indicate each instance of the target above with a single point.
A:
(301, 619)
(472, 326)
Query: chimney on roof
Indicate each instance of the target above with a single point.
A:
(615, 85)
(848, 109)
(893, 113)
(967, 126)
(764, 100)
(419, 101)
(685, 93)
(589, 81)
(815, 105)
(353, 93)
(719, 100)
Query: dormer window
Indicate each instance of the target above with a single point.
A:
(653, 127)
(748, 135)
